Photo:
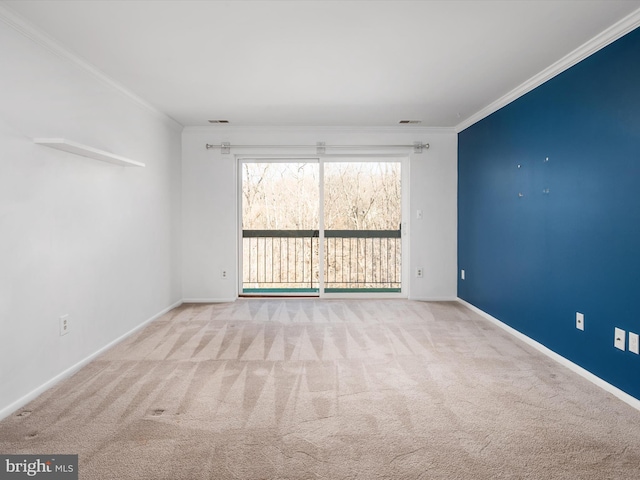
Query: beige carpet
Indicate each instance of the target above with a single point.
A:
(303, 389)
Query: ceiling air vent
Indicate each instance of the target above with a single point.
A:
(409, 122)
(218, 121)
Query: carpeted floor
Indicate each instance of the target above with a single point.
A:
(335, 389)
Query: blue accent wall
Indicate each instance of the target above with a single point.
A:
(533, 261)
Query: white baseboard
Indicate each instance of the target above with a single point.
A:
(21, 402)
(208, 300)
(434, 299)
(625, 397)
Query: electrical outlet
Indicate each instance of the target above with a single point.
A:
(461, 274)
(64, 325)
(634, 346)
(223, 274)
(580, 321)
(619, 339)
(419, 272)
(419, 214)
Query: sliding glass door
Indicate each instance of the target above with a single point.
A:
(280, 227)
(318, 226)
(362, 222)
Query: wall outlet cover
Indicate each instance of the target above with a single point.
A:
(619, 339)
(64, 325)
(580, 321)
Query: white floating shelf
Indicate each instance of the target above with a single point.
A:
(89, 152)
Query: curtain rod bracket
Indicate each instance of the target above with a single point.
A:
(225, 147)
(418, 146)
(320, 148)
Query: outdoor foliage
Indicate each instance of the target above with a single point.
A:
(357, 196)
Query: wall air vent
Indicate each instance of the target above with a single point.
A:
(218, 121)
(409, 122)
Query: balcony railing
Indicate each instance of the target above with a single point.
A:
(288, 261)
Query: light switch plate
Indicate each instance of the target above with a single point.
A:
(634, 345)
(580, 321)
(619, 339)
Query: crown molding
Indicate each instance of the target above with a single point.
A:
(608, 36)
(306, 129)
(33, 33)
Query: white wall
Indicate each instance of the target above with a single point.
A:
(209, 202)
(77, 236)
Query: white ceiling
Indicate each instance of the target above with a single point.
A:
(324, 63)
